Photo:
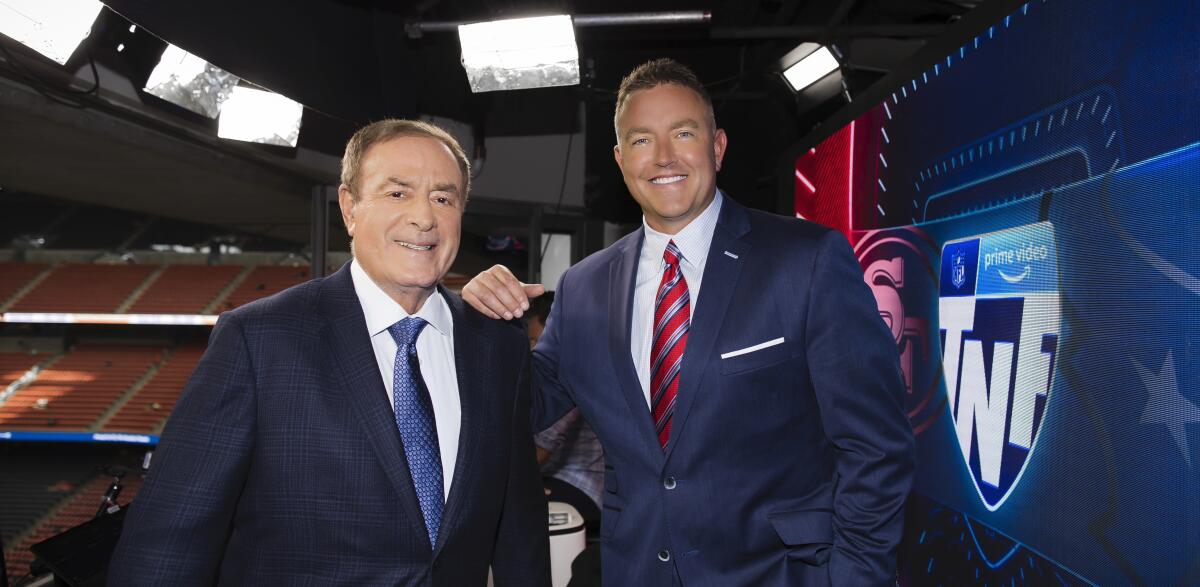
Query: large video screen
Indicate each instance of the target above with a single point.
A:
(1027, 212)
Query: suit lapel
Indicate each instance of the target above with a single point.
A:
(622, 274)
(347, 341)
(472, 367)
(721, 272)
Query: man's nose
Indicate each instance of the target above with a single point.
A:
(420, 213)
(664, 154)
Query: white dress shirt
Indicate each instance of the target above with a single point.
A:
(435, 351)
(693, 242)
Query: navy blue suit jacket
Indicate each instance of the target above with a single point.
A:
(788, 465)
(282, 464)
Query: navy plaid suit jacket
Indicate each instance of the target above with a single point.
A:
(281, 463)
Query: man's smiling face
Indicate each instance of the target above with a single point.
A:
(669, 153)
(405, 216)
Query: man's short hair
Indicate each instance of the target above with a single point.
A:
(394, 128)
(655, 73)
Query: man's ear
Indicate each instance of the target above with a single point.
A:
(617, 154)
(720, 141)
(346, 202)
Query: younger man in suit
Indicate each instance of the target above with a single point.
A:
(734, 365)
(363, 429)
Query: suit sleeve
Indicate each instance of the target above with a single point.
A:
(551, 401)
(855, 371)
(522, 552)
(178, 525)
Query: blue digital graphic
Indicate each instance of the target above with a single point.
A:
(105, 437)
(1026, 212)
(998, 349)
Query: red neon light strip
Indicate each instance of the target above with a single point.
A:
(804, 180)
(850, 184)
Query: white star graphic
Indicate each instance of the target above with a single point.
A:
(1166, 405)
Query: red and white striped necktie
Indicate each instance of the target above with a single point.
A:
(672, 317)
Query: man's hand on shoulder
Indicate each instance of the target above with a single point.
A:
(498, 294)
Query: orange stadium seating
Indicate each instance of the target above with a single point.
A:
(82, 287)
(179, 289)
(150, 406)
(76, 509)
(13, 276)
(77, 389)
(14, 364)
(263, 281)
(185, 289)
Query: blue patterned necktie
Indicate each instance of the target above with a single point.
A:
(414, 418)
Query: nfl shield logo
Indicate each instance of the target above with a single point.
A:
(999, 340)
(959, 271)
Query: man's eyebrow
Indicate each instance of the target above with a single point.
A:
(441, 187)
(397, 181)
(636, 131)
(682, 123)
(686, 122)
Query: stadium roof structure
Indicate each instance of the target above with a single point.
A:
(351, 61)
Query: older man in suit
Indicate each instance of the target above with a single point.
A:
(753, 430)
(363, 429)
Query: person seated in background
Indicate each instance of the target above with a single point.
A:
(568, 451)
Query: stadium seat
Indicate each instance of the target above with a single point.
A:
(146, 411)
(84, 288)
(263, 281)
(75, 391)
(185, 289)
(14, 276)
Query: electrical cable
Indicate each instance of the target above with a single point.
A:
(562, 188)
(49, 90)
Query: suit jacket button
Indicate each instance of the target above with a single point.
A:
(669, 482)
(664, 555)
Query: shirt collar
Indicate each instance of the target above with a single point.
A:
(381, 311)
(693, 241)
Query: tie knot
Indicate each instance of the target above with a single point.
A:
(672, 255)
(405, 331)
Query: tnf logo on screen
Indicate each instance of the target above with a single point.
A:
(999, 321)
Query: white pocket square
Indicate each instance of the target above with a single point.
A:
(758, 347)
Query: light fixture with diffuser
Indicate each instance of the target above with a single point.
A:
(807, 64)
(259, 116)
(190, 82)
(536, 52)
(54, 29)
(520, 53)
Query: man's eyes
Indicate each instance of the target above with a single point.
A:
(444, 200)
(683, 134)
